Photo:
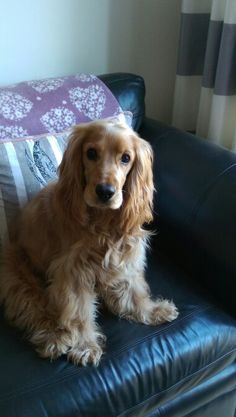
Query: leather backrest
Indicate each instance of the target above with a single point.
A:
(129, 90)
(196, 207)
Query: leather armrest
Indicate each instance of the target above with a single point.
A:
(196, 206)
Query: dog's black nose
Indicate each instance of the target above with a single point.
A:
(105, 192)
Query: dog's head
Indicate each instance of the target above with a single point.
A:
(108, 166)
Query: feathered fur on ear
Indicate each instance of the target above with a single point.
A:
(71, 178)
(138, 189)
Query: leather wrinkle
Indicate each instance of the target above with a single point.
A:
(188, 377)
(162, 411)
(70, 373)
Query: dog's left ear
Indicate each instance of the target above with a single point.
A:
(138, 190)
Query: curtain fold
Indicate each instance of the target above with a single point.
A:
(205, 88)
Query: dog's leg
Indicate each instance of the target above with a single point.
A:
(88, 348)
(129, 297)
(73, 300)
(23, 297)
(75, 333)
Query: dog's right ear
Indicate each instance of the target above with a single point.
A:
(71, 165)
(70, 184)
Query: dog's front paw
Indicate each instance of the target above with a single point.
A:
(85, 353)
(163, 311)
(52, 344)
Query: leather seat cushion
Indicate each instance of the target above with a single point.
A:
(142, 368)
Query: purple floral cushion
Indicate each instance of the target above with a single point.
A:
(53, 105)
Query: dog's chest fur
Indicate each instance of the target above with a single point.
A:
(126, 256)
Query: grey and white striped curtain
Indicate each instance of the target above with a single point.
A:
(205, 88)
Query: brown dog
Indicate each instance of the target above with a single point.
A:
(81, 238)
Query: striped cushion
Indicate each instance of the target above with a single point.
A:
(26, 166)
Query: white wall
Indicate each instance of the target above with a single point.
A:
(44, 38)
(144, 39)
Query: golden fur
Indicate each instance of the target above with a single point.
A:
(68, 247)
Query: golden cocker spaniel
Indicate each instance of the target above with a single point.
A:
(80, 239)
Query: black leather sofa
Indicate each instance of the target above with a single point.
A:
(186, 368)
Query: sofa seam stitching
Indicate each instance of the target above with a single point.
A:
(165, 329)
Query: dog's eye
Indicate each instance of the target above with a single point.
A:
(92, 154)
(125, 158)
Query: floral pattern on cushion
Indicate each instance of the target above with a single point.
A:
(58, 119)
(90, 101)
(13, 106)
(53, 105)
